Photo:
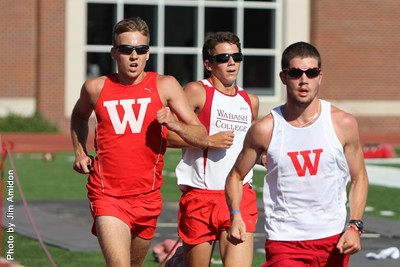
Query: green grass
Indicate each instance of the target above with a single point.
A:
(55, 180)
(29, 253)
(383, 199)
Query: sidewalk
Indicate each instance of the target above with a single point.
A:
(384, 176)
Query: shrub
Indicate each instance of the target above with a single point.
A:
(35, 124)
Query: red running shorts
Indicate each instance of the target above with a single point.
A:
(204, 214)
(311, 253)
(139, 212)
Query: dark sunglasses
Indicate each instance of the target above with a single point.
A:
(297, 73)
(128, 49)
(223, 58)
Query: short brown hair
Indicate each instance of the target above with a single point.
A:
(217, 38)
(302, 50)
(130, 25)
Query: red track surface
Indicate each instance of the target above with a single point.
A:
(26, 142)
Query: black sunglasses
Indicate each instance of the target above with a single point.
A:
(297, 73)
(223, 58)
(128, 49)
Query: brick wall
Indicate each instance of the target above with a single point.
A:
(359, 41)
(33, 48)
(18, 48)
(52, 60)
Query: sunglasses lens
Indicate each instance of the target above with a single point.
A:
(125, 49)
(237, 57)
(295, 73)
(312, 73)
(128, 49)
(223, 58)
(142, 49)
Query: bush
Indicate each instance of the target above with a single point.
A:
(397, 150)
(35, 124)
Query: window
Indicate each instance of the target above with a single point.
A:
(178, 30)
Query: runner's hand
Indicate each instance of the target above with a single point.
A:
(166, 117)
(83, 164)
(349, 242)
(221, 140)
(237, 231)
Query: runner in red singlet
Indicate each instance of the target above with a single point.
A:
(133, 112)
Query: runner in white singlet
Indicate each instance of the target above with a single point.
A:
(312, 151)
(227, 112)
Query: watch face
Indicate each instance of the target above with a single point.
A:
(358, 223)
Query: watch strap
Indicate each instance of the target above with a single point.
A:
(359, 224)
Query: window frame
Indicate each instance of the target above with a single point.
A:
(161, 50)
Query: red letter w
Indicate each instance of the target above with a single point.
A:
(312, 168)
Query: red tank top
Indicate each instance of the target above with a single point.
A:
(129, 141)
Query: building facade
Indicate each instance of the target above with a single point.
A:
(51, 47)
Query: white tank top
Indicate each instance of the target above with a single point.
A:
(305, 185)
(208, 169)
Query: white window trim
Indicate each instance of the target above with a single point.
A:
(75, 53)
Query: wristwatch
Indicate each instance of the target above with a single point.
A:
(358, 223)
